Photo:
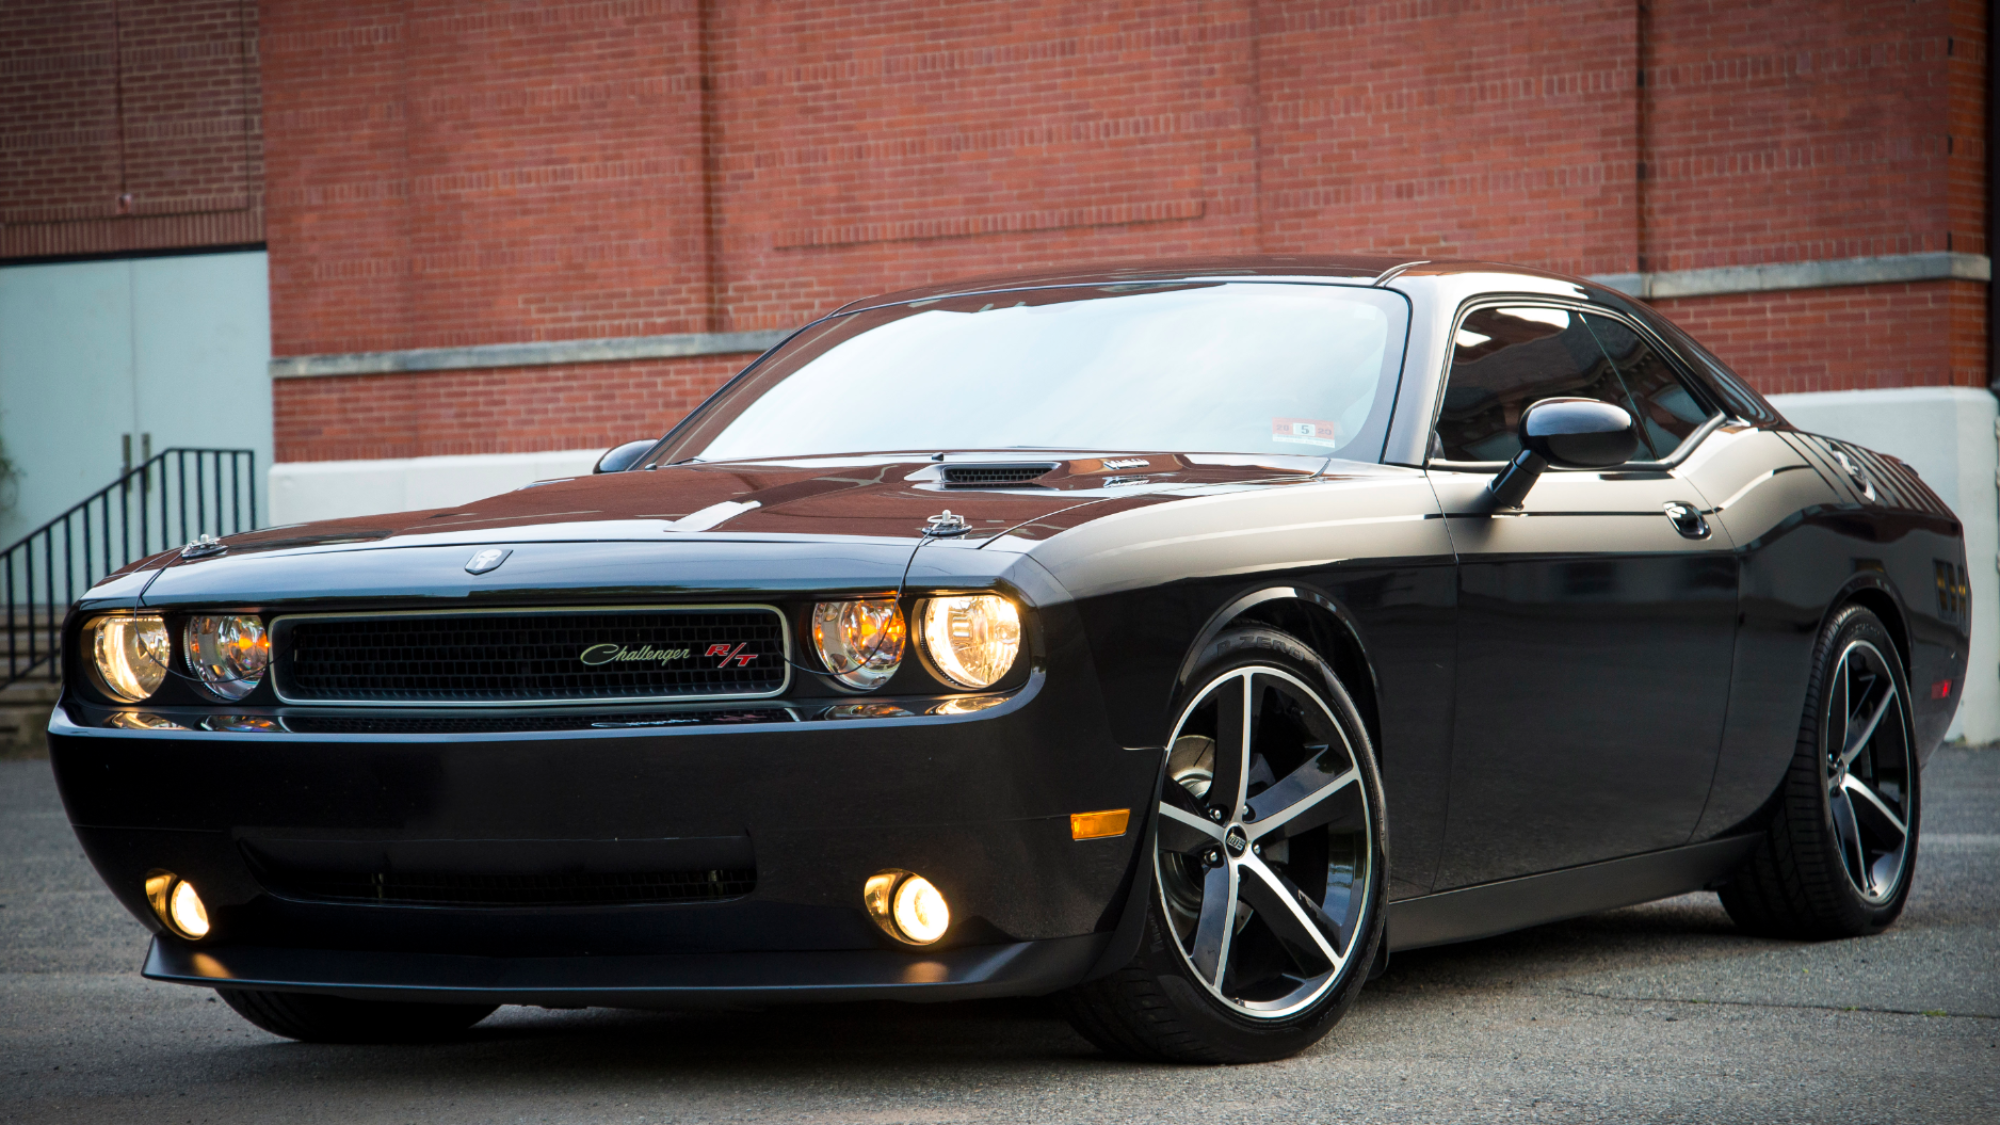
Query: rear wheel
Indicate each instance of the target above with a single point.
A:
(336, 1019)
(1838, 855)
(1268, 868)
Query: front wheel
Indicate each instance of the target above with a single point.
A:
(1268, 867)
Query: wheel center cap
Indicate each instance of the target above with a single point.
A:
(1236, 841)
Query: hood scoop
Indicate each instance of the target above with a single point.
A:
(996, 474)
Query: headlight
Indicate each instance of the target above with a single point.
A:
(131, 654)
(861, 642)
(229, 653)
(972, 639)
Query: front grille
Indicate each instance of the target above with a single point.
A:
(974, 475)
(562, 889)
(507, 724)
(530, 656)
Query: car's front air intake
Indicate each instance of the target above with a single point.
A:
(568, 888)
(511, 657)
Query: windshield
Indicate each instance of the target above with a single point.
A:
(1235, 367)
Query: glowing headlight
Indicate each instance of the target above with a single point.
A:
(972, 639)
(131, 654)
(228, 653)
(861, 642)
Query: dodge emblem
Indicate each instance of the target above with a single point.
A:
(489, 559)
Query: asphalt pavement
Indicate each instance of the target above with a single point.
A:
(1657, 1013)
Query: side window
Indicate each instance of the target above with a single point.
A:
(1666, 409)
(1508, 358)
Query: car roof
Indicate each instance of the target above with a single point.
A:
(1349, 269)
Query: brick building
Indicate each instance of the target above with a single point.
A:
(503, 233)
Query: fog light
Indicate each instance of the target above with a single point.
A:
(907, 906)
(174, 899)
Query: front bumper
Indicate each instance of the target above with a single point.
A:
(978, 803)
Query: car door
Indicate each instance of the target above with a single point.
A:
(1595, 622)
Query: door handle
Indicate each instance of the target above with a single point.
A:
(1688, 520)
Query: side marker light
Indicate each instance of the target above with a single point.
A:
(1098, 825)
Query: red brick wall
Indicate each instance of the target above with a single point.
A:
(541, 173)
(460, 174)
(516, 410)
(128, 126)
(445, 174)
(1785, 130)
(1906, 335)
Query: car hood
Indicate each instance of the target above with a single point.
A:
(884, 496)
(820, 520)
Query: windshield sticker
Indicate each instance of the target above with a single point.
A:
(1306, 431)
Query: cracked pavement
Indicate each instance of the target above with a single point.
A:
(1653, 1013)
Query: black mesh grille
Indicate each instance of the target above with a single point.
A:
(994, 474)
(503, 724)
(564, 889)
(538, 656)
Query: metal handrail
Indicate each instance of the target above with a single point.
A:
(168, 500)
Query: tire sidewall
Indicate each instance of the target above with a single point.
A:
(1233, 1036)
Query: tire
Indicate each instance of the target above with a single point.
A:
(334, 1019)
(1266, 972)
(1839, 852)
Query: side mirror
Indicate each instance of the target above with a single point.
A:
(620, 458)
(1572, 433)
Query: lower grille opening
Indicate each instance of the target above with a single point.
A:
(508, 724)
(409, 888)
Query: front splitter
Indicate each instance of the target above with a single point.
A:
(668, 980)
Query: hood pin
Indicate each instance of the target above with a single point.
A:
(946, 525)
(204, 546)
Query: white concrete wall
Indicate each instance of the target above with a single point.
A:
(1948, 435)
(321, 490)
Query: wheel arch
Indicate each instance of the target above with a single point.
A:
(1874, 594)
(1318, 621)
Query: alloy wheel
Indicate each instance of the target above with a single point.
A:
(1265, 852)
(1867, 756)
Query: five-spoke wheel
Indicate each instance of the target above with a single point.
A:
(1267, 866)
(1263, 840)
(1868, 771)
(1838, 853)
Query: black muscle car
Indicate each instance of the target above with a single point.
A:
(1180, 639)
